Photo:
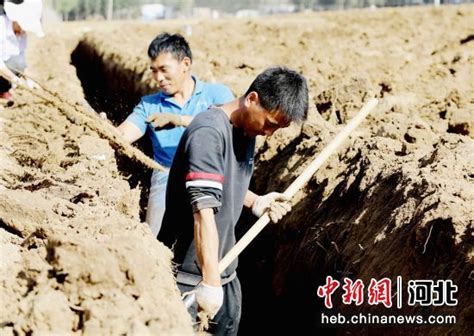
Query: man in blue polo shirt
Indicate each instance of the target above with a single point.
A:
(168, 112)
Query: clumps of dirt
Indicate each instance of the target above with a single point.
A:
(388, 216)
(93, 283)
(348, 97)
(395, 201)
(451, 113)
(79, 260)
(114, 85)
(62, 89)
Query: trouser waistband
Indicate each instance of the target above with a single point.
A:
(193, 279)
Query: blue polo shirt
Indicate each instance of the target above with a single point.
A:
(165, 142)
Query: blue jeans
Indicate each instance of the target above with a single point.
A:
(156, 200)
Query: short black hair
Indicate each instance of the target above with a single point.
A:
(282, 89)
(175, 44)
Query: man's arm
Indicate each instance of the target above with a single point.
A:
(8, 74)
(186, 120)
(204, 182)
(207, 246)
(129, 131)
(209, 293)
(134, 127)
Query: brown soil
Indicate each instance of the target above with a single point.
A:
(397, 200)
(75, 257)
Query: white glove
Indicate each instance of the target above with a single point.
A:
(31, 84)
(17, 81)
(209, 298)
(276, 203)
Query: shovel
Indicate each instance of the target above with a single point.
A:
(297, 184)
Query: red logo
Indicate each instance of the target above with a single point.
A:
(327, 290)
(380, 292)
(353, 292)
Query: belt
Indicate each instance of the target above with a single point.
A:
(194, 279)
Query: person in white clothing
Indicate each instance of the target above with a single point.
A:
(18, 17)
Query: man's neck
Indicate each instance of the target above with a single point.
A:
(182, 96)
(233, 110)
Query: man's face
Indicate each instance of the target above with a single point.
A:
(258, 121)
(170, 73)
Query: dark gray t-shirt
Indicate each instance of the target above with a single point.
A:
(212, 169)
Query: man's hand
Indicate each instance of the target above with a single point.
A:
(31, 84)
(18, 81)
(275, 203)
(25, 83)
(209, 298)
(165, 120)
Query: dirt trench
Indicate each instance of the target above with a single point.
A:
(112, 88)
(397, 200)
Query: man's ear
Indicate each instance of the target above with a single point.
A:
(187, 63)
(252, 99)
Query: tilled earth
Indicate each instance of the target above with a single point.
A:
(396, 201)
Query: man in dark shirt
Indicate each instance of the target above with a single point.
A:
(208, 187)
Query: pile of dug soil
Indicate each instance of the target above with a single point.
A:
(75, 256)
